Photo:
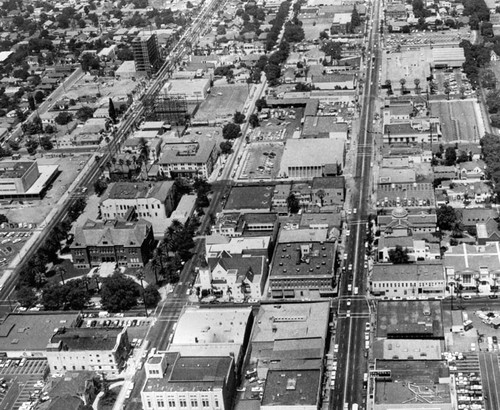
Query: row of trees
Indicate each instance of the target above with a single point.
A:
(278, 22)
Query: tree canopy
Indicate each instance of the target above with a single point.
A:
(119, 293)
(446, 218)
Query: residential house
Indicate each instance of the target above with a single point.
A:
(487, 232)
(472, 170)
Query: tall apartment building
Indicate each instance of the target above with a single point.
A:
(146, 54)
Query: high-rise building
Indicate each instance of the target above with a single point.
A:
(146, 54)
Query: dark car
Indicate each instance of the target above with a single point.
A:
(493, 296)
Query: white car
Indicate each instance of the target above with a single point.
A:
(347, 232)
(354, 211)
(348, 302)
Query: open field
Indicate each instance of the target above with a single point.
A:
(459, 121)
(222, 103)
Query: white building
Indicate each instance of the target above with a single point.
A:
(178, 382)
(408, 281)
(95, 349)
(153, 201)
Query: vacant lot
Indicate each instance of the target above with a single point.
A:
(262, 161)
(459, 120)
(222, 103)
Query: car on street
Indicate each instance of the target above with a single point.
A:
(348, 302)
(350, 266)
(467, 297)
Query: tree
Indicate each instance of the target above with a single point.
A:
(446, 218)
(63, 118)
(332, 49)
(293, 204)
(151, 296)
(84, 113)
(112, 111)
(226, 147)
(231, 131)
(39, 97)
(61, 271)
(46, 143)
(450, 156)
(254, 120)
(417, 85)
(119, 293)
(100, 187)
(355, 19)
(77, 208)
(402, 81)
(398, 255)
(77, 295)
(260, 104)
(238, 118)
(31, 146)
(53, 296)
(294, 33)
(26, 296)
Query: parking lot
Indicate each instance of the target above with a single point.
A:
(23, 383)
(262, 161)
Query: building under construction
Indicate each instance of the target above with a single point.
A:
(167, 107)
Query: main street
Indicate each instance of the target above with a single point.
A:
(351, 361)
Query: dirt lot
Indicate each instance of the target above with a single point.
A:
(35, 211)
(222, 102)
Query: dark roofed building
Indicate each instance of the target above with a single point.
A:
(292, 388)
(97, 349)
(128, 243)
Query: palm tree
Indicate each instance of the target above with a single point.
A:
(402, 81)
(143, 149)
(462, 92)
(40, 278)
(97, 279)
(121, 162)
(86, 282)
(321, 194)
(155, 267)
(417, 85)
(128, 163)
(62, 272)
(139, 274)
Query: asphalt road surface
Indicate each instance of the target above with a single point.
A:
(351, 361)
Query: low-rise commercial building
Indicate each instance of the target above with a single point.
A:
(213, 332)
(25, 179)
(179, 382)
(98, 349)
(403, 281)
(304, 160)
(189, 159)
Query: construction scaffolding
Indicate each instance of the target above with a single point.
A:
(167, 107)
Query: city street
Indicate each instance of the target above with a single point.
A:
(352, 319)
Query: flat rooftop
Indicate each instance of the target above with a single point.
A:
(304, 259)
(408, 349)
(14, 169)
(291, 321)
(198, 325)
(27, 332)
(193, 374)
(430, 271)
(250, 197)
(402, 319)
(84, 338)
(292, 388)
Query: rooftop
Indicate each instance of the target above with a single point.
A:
(188, 152)
(25, 332)
(304, 153)
(328, 183)
(136, 190)
(84, 338)
(302, 235)
(291, 321)
(304, 259)
(292, 388)
(428, 271)
(14, 169)
(192, 374)
(397, 319)
(111, 233)
(313, 126)
(473, 258)
(198, 325)
(408, 349)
